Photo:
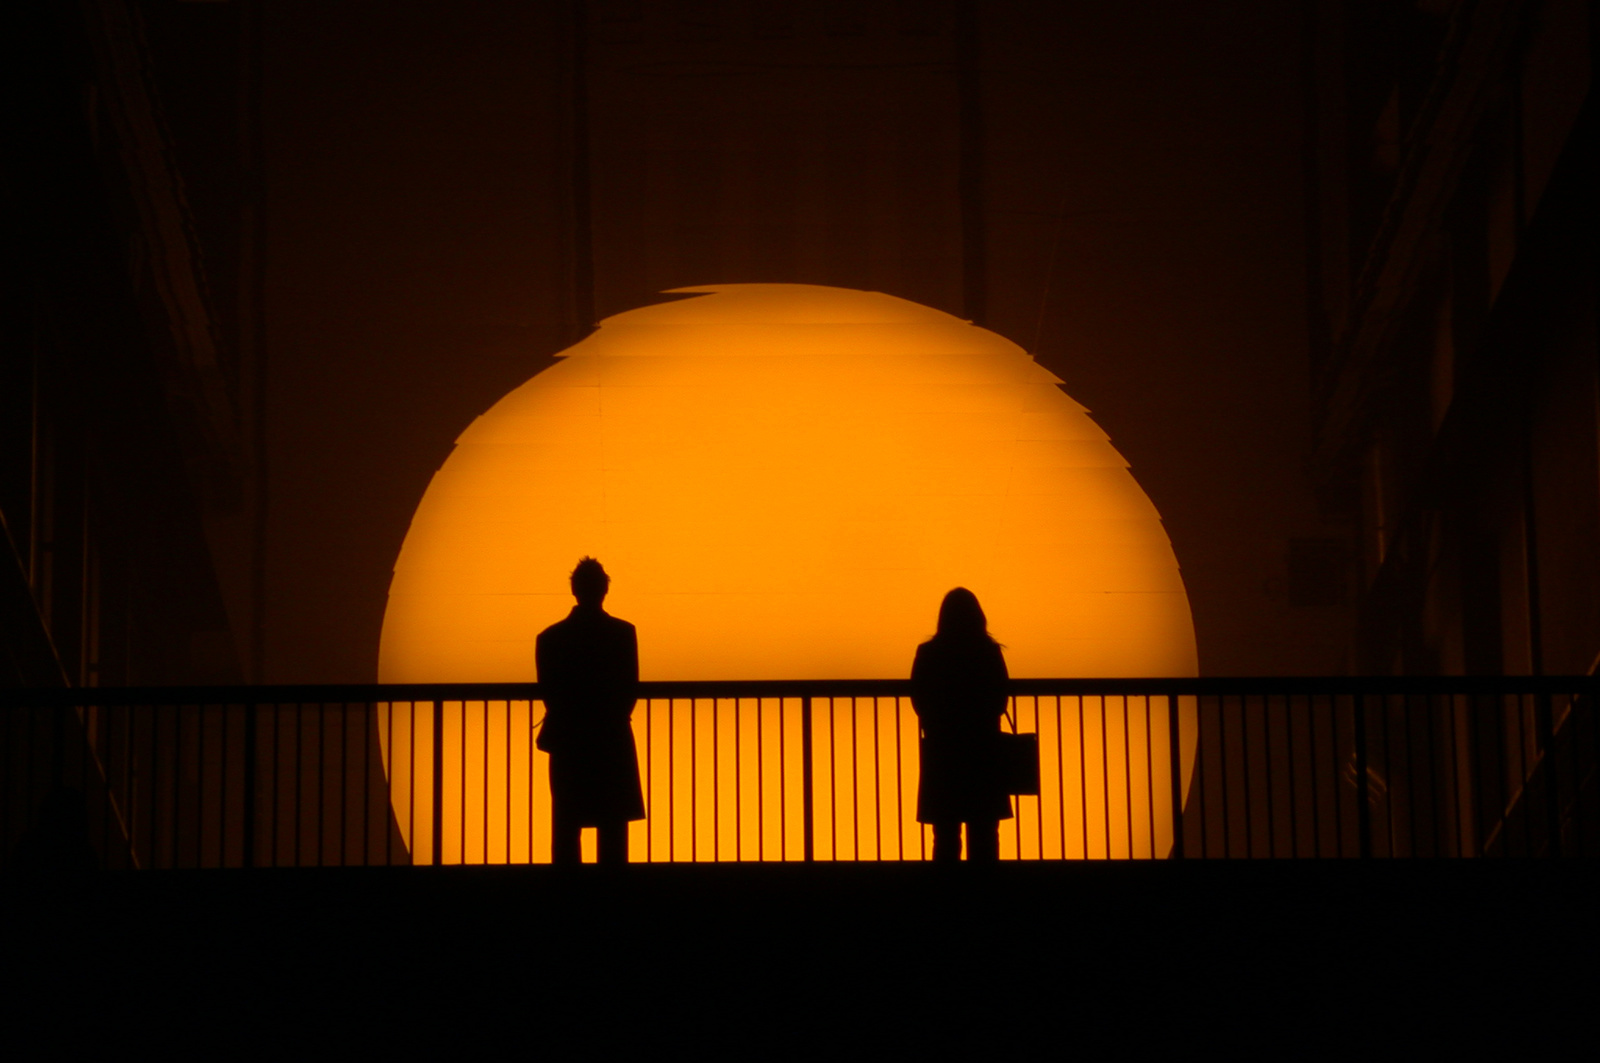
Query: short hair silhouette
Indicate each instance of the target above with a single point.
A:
(589, 580)
(961, 617)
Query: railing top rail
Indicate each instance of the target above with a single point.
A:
(1211, 686)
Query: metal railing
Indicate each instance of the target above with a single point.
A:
(801, 771)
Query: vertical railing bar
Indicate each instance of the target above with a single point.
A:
(1521, 775)
(155, 768)
(415, 848)
(1475, 757)
(1335, 765)
(1544, 721)
(1527, 762)
(437, 783)
(119, 736)
(1202, 778)
(1222, 776)
(91, 764)
(899, 784)
(1383, 701)
(1317, 770)
(292, 843)
(648, 783)
(130, 766)
(924, 830)
(199, 785)
(877, 781)
(1127, 773)
(176, 824)
(201, 779)
(367, 854)
(169, 814)
(273, 790)
(833, 779)
(1149, 773)
(1061, 779)
(716, 788)
(222, 791)
(783, 785)
(672, 789)
(533, 757)
(1245, 773)
(1430, 701)
(855, 788)
(175, 831)
(1015, 799)
(694, 782)
(1456, 807)
(1105, 772)
(1266, 750)
(320, 736)
(1175, 758)
(507, 703)
(179, 761)
(806, 797)
(738, 783)
(344, 782)
(1363, 811)
(1292, 766)
(322, 781)
(483, 833)
(461, 784)
(1083, 776)
(80, 713)
(107, 844)
(299, 780)
(486, 735)
(1038, 819)
(1410, 847)
(761, 783)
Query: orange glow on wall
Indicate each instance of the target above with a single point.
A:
(783, 481)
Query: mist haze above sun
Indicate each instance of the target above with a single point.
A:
(783, 481)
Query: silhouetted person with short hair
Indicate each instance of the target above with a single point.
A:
(588, 670)
(958, 688)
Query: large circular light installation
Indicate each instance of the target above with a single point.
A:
(783, 481)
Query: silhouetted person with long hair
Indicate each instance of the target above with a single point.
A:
(588, 667)
(958, 688)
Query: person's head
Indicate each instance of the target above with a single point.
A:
(590, 582)
(961, 617)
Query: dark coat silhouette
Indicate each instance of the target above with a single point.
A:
(958, 688)
(588, 668)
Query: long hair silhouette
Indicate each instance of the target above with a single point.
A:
(961, 619)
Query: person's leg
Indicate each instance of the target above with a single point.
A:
(613, 842)
(565, 831)
(566, 842)
(983, 841)
(946, 842)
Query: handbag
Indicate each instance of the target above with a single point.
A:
(1019, 760)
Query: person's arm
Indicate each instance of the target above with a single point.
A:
(631, 671)
(1002, 680)
(919, 683)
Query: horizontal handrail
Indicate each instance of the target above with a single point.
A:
(1209, 686)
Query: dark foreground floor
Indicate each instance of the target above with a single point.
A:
(1289, 960)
